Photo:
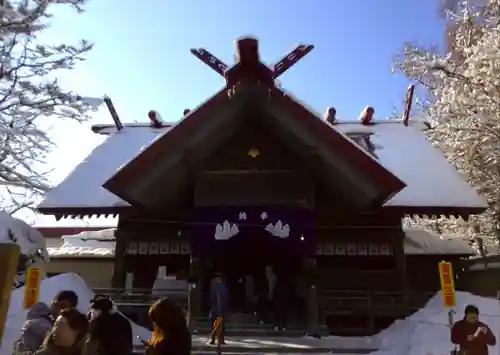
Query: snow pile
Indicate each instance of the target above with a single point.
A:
(49, 288)
(426, 332)
(31, 241)
(94, 243)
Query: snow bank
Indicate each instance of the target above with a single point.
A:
(426, 332)
(31, 242)
(49, 288)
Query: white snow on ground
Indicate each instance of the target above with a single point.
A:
(49, 288)
(425, 332)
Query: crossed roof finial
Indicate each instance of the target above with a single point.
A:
(248, 65)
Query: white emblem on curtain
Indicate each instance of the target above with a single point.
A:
(226, 230)
(279, 230)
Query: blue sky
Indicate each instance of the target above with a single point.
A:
(142, 60)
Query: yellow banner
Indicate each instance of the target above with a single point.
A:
(447, 284)
(32, 287)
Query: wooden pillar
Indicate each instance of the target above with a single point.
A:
(399, 254)
(9, 257)
(119, 269)
(312, 296)
(195, 285)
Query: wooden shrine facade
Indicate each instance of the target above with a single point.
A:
(252, 176)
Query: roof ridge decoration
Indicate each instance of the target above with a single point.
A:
(248, 66)
(250, 77)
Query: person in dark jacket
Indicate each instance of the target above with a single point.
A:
(219, 300)
(38, 324)
(110, 333)
(171, 335)
(472, 336)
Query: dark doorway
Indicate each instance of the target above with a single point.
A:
(251, 263)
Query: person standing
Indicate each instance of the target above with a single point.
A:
(281, 299)
(67, 336)
(63, 300)
(171, 335)
(109, 332)
(38, 324)
(472, 336)
(219, 297)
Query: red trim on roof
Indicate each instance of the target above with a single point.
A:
(356, 154)
(179, 133)
(163, 145)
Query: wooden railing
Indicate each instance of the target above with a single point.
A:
(142, 297)
(345, 302)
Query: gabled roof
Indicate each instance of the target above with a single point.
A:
(273, 104)
(81, 192)
(433, 184)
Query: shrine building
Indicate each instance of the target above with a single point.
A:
(253, 179)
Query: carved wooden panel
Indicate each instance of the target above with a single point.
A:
(253, 188)
(236, 153)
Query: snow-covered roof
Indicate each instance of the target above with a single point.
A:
(86, 244)
(419, 241)
(82, 188)
(431, 181)
(404, 150)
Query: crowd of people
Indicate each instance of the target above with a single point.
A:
(60, 329)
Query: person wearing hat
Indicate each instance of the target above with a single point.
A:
(470, 335)
(110, 333)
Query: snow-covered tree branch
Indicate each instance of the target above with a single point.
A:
(30, 93)
(463, 102)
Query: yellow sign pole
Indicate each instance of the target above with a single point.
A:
(448, 289)
(9, 257)
(32, 287)
(447, 284)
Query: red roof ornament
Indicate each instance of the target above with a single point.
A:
(248, 66)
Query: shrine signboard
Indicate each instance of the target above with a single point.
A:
(447, 284)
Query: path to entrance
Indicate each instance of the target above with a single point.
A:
(280, 345)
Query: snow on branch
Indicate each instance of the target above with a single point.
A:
(29, 94)
(463, 101)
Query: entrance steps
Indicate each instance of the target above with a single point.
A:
(240, 324)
